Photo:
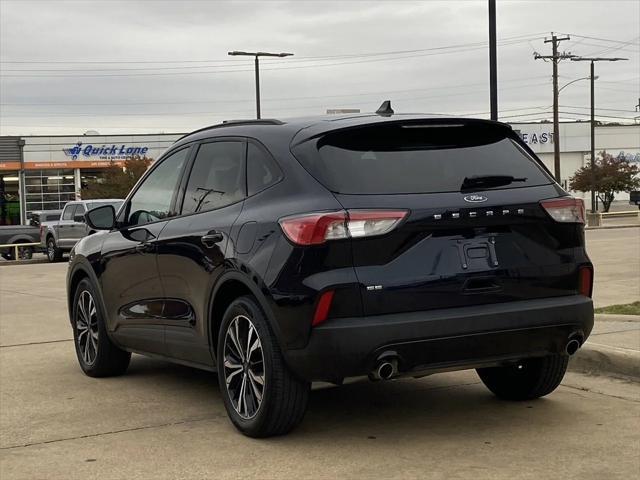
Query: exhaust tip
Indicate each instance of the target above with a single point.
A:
(386, 370)
(572, 346)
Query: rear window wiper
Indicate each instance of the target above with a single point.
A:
(488, 181)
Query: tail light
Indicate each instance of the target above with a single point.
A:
(317, 228)
(565, 210)
(585, 280)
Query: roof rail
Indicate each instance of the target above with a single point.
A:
(232, 123)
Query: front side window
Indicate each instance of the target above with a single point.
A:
(152, 200)
(217, 178)
(69, 211)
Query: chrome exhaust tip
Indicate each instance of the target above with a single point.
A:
(386, 369)
(572, 346)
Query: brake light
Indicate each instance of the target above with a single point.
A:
(322, 308)
(565, 210)
(317, 228)
(585, 280)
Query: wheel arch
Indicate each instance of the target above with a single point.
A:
(77, 272)
(229, 287)
(21, 238)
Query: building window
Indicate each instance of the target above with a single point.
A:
(48, 189)
(9, 198)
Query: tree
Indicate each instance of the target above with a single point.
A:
(610, 176)
(117, 181)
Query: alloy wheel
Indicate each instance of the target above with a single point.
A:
(244, 370)
(87, 327)
(51, 250)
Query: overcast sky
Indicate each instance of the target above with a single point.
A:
(152, 66)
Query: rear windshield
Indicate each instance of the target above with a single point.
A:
(417, 158)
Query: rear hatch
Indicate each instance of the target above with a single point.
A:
(474, 232)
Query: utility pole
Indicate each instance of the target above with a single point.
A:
(555, 58)
(256, 55)
(592, 60)
(493, 61)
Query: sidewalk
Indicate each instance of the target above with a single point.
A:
(613, 348)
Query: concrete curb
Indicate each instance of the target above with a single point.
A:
(605, 360)
(610, 227)
(616, 317)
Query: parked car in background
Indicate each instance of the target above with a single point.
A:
(60, 236)
(10, 234)
(634, 198)
(41, 216)
(279, 253)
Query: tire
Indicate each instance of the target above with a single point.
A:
(54, 254)
(97, 355)
(529, 379)
(25, 253)
(284, 397)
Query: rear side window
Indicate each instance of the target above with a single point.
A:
(262, 170)
(417, 158)
(69, 212)
(217, 178)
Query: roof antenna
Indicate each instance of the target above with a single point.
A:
(385, 109)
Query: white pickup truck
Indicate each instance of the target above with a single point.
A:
(59, 237)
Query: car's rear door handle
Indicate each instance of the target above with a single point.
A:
(211, 238)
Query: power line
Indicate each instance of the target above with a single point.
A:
(284, 108)
(628, 42)
(234, 70)
(300, 58)
(276, 99)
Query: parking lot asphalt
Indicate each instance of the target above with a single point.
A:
(167, 421)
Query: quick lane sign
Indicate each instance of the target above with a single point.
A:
(104, 152)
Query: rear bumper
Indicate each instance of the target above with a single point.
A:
(440, 340)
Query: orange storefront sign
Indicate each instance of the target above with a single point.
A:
(9, 165)
(72, 164)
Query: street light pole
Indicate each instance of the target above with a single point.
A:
(256, 56)
(493, 62)
(592, 165)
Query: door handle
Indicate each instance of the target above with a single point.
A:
(144, 247)
(211, 238)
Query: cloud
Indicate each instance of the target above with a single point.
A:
(177, 96)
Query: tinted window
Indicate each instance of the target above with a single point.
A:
(152, 200)
(261, 169)
(69, 212)
(217, 178)
(49, 217)
(415, 158)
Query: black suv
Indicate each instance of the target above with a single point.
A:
(277, 253)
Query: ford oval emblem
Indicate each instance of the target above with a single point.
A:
(475, 198)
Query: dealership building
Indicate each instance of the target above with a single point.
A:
(45, 172)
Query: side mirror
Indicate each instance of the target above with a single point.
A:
(79, 218)
(101, 218)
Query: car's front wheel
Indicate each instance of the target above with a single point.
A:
(525, 380)
(261, 396)
(97, 355)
